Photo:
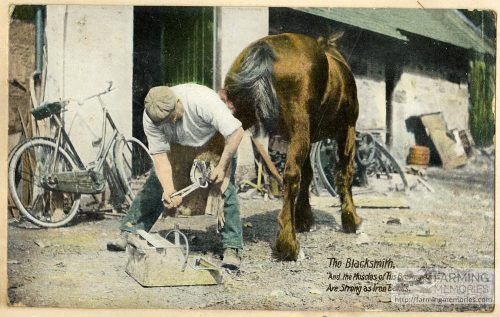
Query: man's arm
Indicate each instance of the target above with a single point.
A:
(164, 173)
(232, 143)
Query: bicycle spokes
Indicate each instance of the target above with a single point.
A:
(372, 159)
(29, 165)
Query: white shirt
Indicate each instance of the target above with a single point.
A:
(204, 114)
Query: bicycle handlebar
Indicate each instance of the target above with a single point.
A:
(46, 108)
(109, 89)
(80, 102)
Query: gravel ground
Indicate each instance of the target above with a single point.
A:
(452, 227)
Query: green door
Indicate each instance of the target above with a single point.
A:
(187, 46)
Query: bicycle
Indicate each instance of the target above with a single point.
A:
(46, 176)
(371, 159)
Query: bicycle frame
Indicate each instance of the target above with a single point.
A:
(63, 139)
(64, 171)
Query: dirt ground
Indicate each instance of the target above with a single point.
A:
(452, 227)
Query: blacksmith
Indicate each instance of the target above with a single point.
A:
(188, 115)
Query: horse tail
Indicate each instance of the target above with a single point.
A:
(329, 45)
(252, 84)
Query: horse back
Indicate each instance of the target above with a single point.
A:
(305, 79)
(297, 57)
(317, 75)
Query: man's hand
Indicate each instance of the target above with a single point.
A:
(171, 202)
(218, 175)
(164, 172)
(230, 148)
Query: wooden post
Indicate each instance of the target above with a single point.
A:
(28, 164)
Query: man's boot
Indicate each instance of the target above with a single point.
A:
(231, 259)
(119, 244)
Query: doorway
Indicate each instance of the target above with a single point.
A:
(172, 45)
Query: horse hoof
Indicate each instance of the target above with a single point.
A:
(350, 222)
(306, 228)
(314, 228)
(287, 250)
(349, 229)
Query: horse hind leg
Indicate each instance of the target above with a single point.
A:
(344, 176)
(304, 219)
(287, 246)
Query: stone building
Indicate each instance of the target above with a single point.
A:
(406, 62)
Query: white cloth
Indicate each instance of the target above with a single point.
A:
(204, 114)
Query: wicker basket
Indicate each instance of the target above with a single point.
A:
(419, 155)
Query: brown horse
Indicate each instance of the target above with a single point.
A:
(303, 90)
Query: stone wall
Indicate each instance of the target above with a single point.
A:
(371, 98)
(21, 68)
(428, 77)
(419, 92)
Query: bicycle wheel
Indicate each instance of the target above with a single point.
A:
(315, 180)
(365, 149)
(326, 159)
(133, 164)
(385, 163)
(30, 161)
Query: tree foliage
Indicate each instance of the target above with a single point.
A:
(482, 90)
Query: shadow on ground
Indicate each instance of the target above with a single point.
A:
(261, 227)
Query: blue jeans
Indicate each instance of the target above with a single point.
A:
(147, 207)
